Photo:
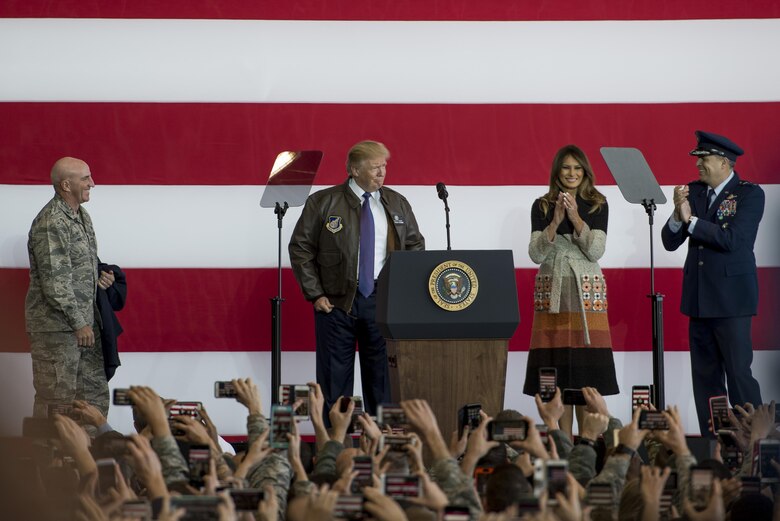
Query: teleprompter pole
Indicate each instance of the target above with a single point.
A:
(276, 313)
(657, 307)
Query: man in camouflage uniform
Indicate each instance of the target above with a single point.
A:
(60, 306)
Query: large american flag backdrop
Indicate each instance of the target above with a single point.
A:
(180, 108)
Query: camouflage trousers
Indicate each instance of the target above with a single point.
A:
(63, 371)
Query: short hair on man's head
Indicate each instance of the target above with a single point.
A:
(719, 469)
(363, 151)
(323, 478)
(508, 414)
(494, 457)
(505, 486)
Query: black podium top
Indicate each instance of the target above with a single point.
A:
(406, 309)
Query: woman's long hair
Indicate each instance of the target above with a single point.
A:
(586, 190)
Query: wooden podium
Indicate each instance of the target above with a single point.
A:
(454, 353)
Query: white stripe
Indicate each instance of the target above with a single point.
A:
(386, 62)
(224, 226)
(191, 376)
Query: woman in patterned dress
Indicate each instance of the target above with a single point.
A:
(570, 329)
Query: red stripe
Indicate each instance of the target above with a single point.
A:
(228, 310)
(392, 9)
(235, 144)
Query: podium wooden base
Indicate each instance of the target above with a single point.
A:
(449, 374)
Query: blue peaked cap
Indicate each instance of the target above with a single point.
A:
(709, 144)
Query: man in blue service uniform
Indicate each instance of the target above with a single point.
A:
(337, 249)
(719, 215)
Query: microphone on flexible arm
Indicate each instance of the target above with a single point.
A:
(441, 189)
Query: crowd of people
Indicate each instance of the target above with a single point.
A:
(82, 469)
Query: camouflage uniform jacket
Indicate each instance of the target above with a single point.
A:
(326, 458)
(582, 463)
(582, 458)
(63, 269)
(614, 473)
(458, 487)
(563, 443)
(683, 467)
(274, 470)
(174, 466)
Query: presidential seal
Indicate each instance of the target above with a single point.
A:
(453, 285)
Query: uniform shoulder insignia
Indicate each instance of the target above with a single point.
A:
(742, 182)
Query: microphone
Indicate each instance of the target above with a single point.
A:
(441, 188)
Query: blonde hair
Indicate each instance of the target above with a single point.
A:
(364, 151)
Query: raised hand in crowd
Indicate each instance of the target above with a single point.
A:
(478, 445)
(745, 414)
(118, 494)
(432, 497)
(673, 438)
(75, 443)
(320, 506)
(423, 421)
(369, 439)
(381, 507)
(294, 453)
(738, 430)
(248, 395)
(594, 402)
(268, 509)
(551, 411)
(533, 443)
(317, 412)
(226, 508)
(458, 445)
(631, 436)
(651, 486)
(88, 414)
(146, 465)
(593, 425)
(340, 420)
(194, 432)
(89, 509)
(414, 451)
(762, 423)
(211, 428)
(569, 506)
(152, 409)
(258, 450)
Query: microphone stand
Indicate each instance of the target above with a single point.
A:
(442, 190)
(276, 314)
(447, 219)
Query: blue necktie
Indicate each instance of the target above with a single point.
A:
(710, 197)
(366, 269)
